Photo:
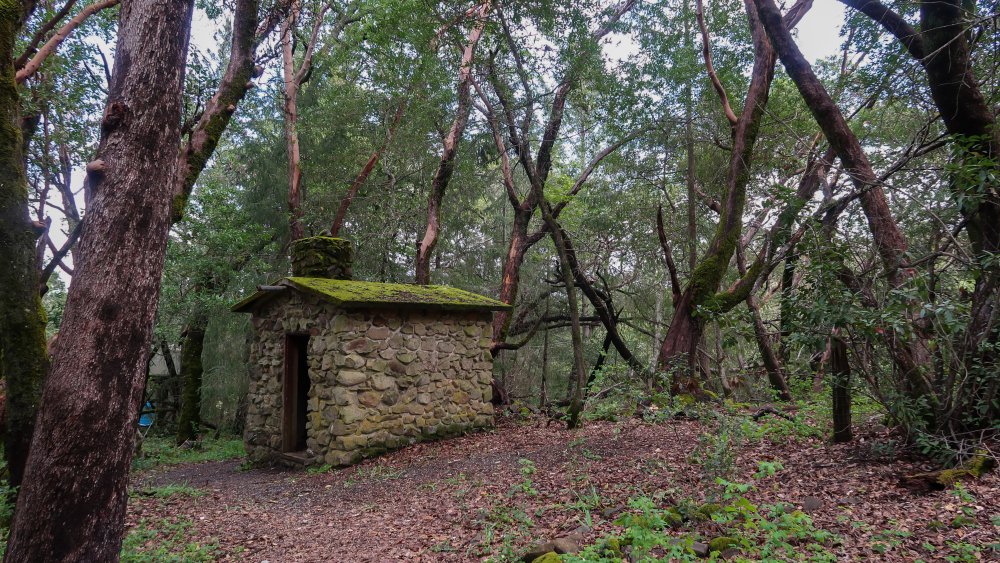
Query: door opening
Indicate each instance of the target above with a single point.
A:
(295, 391)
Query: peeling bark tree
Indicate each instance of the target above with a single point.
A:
(23, 356)
(521, 240)
(449, 150)
(31, 66)
(679, 348)
(293, 78)
(72, 503)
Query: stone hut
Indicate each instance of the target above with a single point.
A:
(341, 369)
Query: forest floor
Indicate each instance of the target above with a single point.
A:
(784, 493)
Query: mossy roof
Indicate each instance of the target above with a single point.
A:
(351, 294)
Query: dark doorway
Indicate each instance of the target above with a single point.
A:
(295, 391)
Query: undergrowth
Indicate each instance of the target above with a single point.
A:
(166, 541)
(163, 450)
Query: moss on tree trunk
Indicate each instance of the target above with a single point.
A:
(23, 355)
(189, 418)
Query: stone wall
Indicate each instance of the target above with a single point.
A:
(378, 379)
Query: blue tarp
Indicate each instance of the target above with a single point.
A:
(148, 415)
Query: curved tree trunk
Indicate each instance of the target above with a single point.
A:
(23, 355)
(72, 503)
(511, 274)
(677, 353)
(446, 166)
(236, 82)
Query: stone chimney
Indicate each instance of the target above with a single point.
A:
(322, 257)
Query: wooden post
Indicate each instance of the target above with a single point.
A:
(840, 372)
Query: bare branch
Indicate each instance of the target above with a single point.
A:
(707, 53)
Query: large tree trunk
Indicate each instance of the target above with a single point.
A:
(446, 166)
(72, 503)
(677, 353)
(192, 345)
(23, 356)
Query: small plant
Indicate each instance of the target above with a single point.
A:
(378, 472)
(166, 540)
(966, 516)
(887, 540)
(526, 486)
(767, 469)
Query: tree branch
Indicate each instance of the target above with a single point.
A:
(675, 282)
(32, 47)
(707, 53)
(891, 22)
(53, 43)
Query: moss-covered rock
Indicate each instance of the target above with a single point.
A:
(722, 543)
(673, 517)
(705, 512)
(325, 257)
(550, 557)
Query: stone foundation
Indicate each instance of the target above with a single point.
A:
(379, 379)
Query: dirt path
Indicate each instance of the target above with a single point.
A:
(472, 497)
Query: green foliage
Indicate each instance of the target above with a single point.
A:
(170, 490)
(525, 487)
(166, 541)
(760, 532)
(161, 450)
(54, 302)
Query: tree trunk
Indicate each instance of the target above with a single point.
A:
(23, 355)
(840, 374)
(677, 353)
(446, 166)
(511, 273)
(910, 355)
(772, 364)
(785, 318)
(72, 503)
(189, 417)
(345, 203)
(291, 93)
(167, 392)
(771, 361)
